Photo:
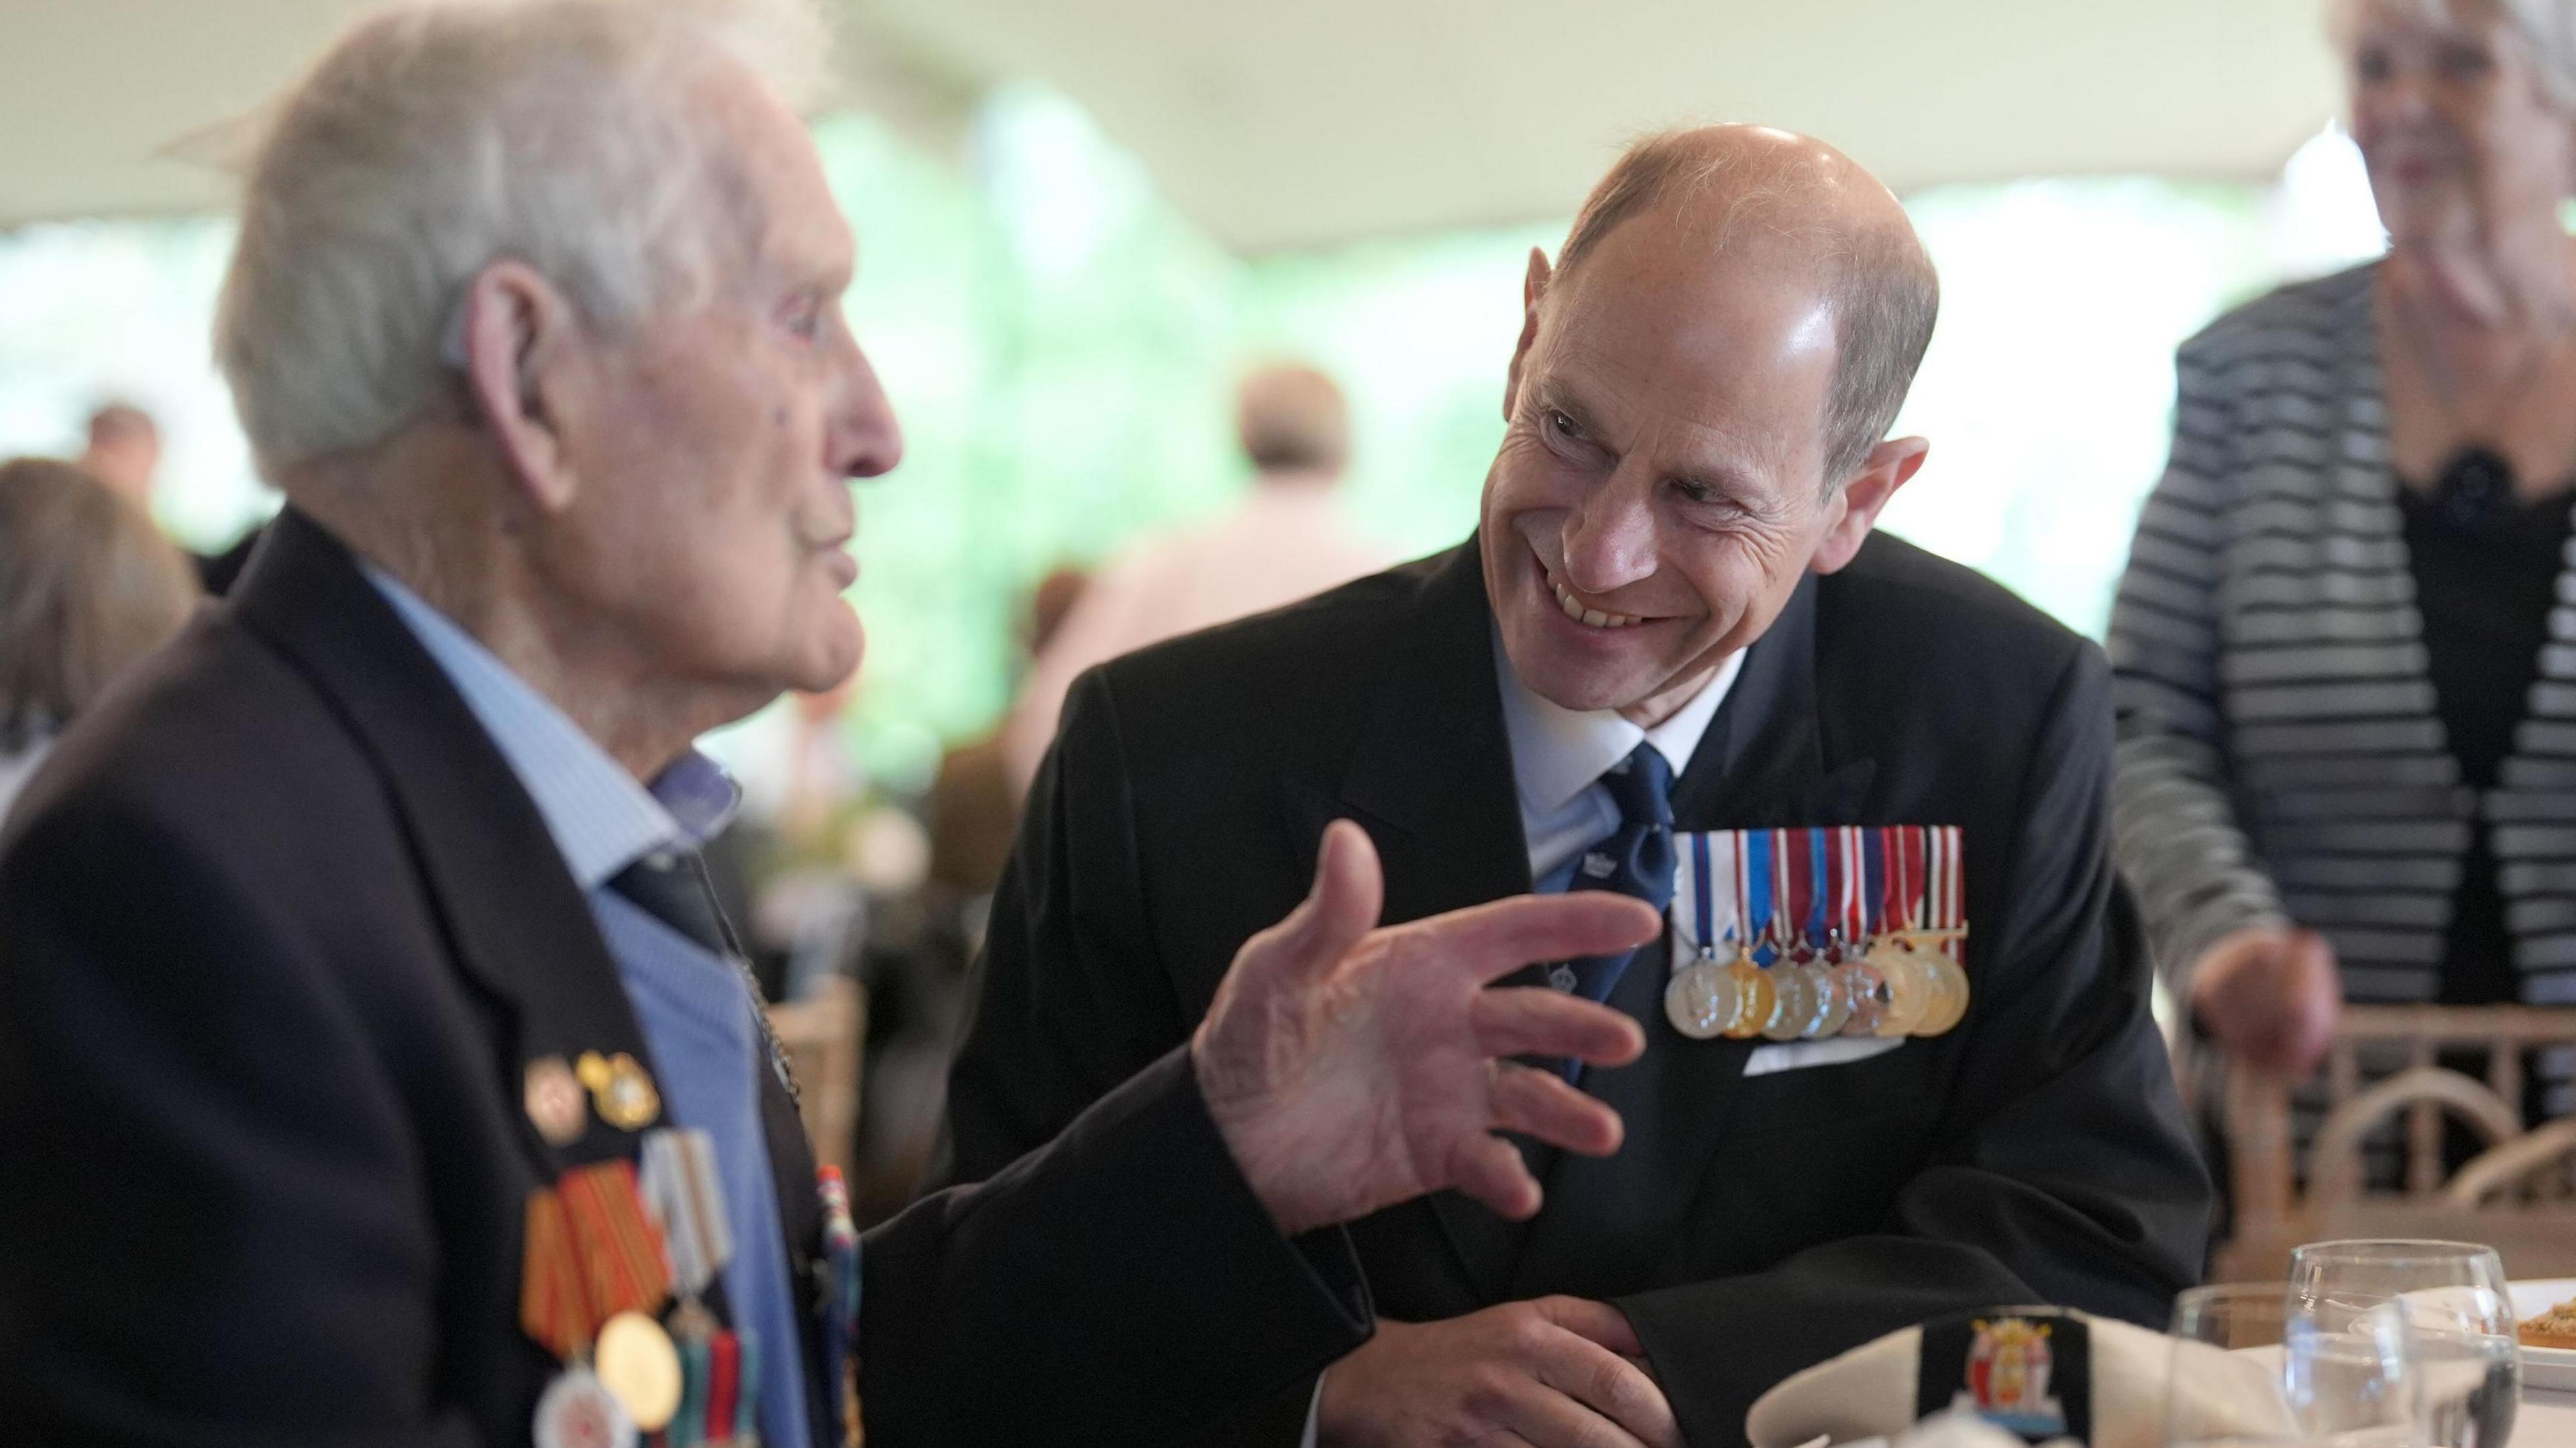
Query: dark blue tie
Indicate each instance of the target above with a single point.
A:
(1637, 860)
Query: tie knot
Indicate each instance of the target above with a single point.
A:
(1642, 786)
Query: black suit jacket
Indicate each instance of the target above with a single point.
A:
(1750, 1226)
(279, 931)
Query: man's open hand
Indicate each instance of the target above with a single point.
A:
(1350, 1068)
(1560, 1372)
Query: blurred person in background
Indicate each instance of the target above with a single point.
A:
(2347, 708)
(124, 451)
(1289, 538)
(974, 808)
(87, 587)
(356, 1125)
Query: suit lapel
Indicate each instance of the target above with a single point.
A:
(517, 922)
(1430, 778)
(1762, 762)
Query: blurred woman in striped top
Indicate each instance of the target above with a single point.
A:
(2346, 640)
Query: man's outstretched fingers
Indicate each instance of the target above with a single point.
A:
(1540, 1104)
(1490, 1170)
(1499, 937)
(1528, 1021)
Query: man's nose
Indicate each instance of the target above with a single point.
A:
(865, 439)
(1610, 537)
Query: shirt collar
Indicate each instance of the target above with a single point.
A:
(1558, 752)
(601, 818)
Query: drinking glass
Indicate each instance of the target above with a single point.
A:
(2458, 1313)
(2247, 1373)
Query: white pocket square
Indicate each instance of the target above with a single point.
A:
(1799, 1055)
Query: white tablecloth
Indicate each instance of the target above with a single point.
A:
(2547, 1420)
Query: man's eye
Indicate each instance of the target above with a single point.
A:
(1563, 425)
(805, 319)
(2465, 60)
(1693, 492)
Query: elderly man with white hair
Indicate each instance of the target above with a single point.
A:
(376, 1068)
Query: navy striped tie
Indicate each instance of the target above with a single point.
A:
(1637, 859)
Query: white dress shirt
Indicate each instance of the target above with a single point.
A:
(1560, 754)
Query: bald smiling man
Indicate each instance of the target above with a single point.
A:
(1672, 626)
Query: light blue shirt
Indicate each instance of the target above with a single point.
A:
(696, 1015)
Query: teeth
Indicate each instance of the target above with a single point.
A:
(1590, 617)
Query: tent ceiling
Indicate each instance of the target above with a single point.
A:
(1292, 125)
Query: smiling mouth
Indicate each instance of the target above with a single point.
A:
(1588, 617)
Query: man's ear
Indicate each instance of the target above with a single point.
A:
(1863, 495)
(517, 335)
(1533, 287)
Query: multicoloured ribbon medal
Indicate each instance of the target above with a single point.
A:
(1909, 982)
(1863, 983)
(1947, 894)
(1757, 905)
(719, 1367)
(1833, 994)
(1700, 998)
(840, 1305)
(1794, 993)
(591, 1281)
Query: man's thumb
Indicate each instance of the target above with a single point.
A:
(1343, 906)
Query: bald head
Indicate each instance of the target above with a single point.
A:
(1754, 194)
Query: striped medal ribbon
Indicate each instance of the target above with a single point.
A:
(1700, 996)
(683, 1189)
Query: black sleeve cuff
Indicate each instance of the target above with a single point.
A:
(1121, 1284)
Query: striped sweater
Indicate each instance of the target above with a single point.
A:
(2280, 757)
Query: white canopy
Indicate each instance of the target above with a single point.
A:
(1293, 124)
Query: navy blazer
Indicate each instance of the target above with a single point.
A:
(1750, 1226)
(279, 932)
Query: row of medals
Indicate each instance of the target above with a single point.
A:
(1900, 984)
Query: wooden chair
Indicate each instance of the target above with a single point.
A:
(2518, 1196)
(822, 1036)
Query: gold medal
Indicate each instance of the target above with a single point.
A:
(639, 1367)
(1701, 1000)
(1909, 989)
(554, 1101)
(1755, 999)
(1949, 997)
(620, 1089)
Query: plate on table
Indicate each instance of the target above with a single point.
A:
(2550, 1368)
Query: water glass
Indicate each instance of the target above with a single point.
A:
(2458, 1313)
(2248, 1373)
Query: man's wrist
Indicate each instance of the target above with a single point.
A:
(1239, 1125)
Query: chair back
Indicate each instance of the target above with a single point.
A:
(2519, 1195)
(822, 1037)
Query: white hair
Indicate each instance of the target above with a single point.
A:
(441, 135)
(2546, 28)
